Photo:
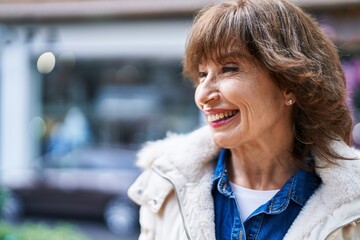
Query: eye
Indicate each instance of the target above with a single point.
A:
(231, 69)
(202, 75)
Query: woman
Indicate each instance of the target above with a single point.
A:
(274, 161)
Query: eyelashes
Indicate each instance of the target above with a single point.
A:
(230, 69)
(202, 74)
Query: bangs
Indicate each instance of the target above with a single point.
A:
(216, 35)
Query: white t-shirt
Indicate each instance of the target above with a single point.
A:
(248, 200)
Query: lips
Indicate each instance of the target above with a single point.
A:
(221, 116)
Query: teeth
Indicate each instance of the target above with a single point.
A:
(219, 116)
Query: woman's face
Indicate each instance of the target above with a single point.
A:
(242, 103)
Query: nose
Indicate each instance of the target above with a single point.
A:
(206, 94)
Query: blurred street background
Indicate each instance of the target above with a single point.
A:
(83, 84)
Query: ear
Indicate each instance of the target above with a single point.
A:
(289, 98)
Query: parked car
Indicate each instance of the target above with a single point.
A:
(87, 183)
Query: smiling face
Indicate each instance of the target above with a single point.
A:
(242, 103)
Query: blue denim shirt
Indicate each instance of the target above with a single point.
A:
(271, 220)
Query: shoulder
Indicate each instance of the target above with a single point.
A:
(343, 172)
(340, 181)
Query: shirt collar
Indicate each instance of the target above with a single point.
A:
(221, 164)
(221, 179)
(305, 183)
(298, 188)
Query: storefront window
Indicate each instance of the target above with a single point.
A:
(114, 102)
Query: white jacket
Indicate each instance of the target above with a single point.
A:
(174, 193)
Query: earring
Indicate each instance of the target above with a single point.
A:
(290, 102)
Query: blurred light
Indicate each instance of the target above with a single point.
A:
(38, 126)
(46, 62)
(67, 59)
(356, 133)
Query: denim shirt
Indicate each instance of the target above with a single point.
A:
(271, 220)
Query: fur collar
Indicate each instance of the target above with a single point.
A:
(188, 153)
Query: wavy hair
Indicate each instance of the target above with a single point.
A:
(299, 56)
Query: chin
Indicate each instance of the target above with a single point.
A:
(226, 140)
(221, 142)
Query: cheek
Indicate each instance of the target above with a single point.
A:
(237, 94)
(196, 97)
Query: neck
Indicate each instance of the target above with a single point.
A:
(261, 167)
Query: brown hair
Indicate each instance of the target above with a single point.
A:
(300, 57)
